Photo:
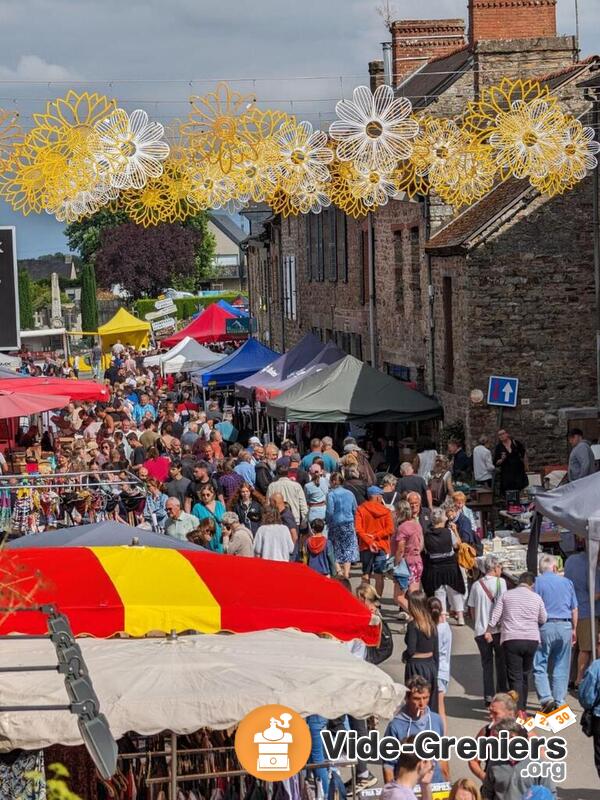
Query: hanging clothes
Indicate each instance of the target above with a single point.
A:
(22, 775)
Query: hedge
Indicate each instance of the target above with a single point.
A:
(186, 306)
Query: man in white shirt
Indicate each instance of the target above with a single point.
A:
(292, 492)
(482, 598)
(483, 464)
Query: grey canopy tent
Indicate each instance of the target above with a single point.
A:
(101, 534)
(576, 507)
(352, 391)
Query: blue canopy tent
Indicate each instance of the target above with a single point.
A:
(239, 312)
(250, 358)
(279, 370)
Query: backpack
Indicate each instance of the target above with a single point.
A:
(380, 653)
(439, 491)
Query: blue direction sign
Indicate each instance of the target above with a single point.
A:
(503, 391)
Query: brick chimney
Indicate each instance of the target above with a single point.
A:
(376, 74)
(511, 19)
(416, 41)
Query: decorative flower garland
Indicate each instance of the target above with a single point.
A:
(84, 152)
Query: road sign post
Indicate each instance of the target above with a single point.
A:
(503, 391)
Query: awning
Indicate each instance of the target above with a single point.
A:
(124, 326)
(65, 387)
(185, 356)
(151, 685)
(247, 360)
(351, 391)
(329, 355)
(280, 369)
(108, 590)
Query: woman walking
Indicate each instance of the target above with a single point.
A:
(340, 510)
(422, 655)
(248, 504)
(441, 574)
(211, 508)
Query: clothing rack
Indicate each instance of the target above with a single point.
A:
(174, 779)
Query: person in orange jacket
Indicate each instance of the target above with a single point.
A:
(374, 527)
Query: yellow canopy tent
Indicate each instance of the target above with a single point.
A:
(127, 328)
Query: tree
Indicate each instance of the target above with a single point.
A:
(85, 237)
(89, 301)
(25, 304)
(143, 260)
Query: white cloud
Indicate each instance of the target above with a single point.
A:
(34, 68)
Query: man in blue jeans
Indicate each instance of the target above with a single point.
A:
(552, 660)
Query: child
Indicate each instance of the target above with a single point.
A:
(319, 550)
(444, 651)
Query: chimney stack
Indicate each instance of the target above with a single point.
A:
(376, 74)
(416, 41)
(511, 19)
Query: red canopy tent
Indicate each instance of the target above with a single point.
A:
(70, 390)
(210, 326)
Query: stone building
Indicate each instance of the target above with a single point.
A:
(456, 298)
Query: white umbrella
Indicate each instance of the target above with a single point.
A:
(151, 685)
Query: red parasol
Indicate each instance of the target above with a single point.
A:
(69, 389)
(22, 404)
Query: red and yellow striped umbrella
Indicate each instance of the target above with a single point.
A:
(135, 590)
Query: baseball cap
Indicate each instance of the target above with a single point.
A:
(254, 440)
(373, 490)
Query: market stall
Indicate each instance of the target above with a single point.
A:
(109, 590)
(251, 357)
(239, 312)
(124, 327)
(65, 387)
(284, 366)
(185, 356)
(209, 326)
(351, 391)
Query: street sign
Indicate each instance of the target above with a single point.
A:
(162, 312)
(163, 324)
(503, 391)
(238, 327)
(163, 303)
(10, 338)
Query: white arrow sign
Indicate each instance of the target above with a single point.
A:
(162, 312)
(163, 324)
(507, 390)
(163, 303)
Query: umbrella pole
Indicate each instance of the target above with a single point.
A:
(285, 430)
(173, 783)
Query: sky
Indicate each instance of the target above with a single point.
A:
(300, 56)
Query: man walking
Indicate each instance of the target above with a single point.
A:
(581, 459)
(483, 463)
(482, 599)
(374, 527)
(520, 613)
(292, 492)
(557, 635)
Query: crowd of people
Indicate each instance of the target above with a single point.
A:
(156, 457)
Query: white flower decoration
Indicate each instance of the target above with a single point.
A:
(374, 187)
(311, 197)
(303, 154)
(133, 146)
(374, 128)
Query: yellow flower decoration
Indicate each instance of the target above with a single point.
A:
(11, 133)
(281, 203)
(473, 176)
(150, 205)
(407, 182)
(256, 178)
(481, 115)
(373, 187)
(217, 126)
(436, 148)
(343, 174)
(578, 150)
(526, 141)
(554, 183)
(259, 125)
(70, 122)
(303, 155)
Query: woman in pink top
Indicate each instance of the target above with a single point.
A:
(407, 543)
(157, 466)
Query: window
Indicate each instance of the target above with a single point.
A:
(415, 265)
(399, 267)
(448, 333)
(341, 251)
(289, 287)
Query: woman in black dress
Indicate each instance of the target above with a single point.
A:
(510, 458)
(441, 574)
(422, 654)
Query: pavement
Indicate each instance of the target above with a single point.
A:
(466, 713)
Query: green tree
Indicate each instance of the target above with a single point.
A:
(205, 249)
(84, 235)
(89, 301)
(25, 303)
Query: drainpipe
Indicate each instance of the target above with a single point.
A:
(387, 63)
(595, 100)
(372, 310)
(431, 297)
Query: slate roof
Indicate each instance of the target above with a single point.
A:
(431, 80)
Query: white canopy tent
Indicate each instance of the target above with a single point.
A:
(185, 356)
(152, 685)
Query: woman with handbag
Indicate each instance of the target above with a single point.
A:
(407, 545)
(422, 651)
(441, 574)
